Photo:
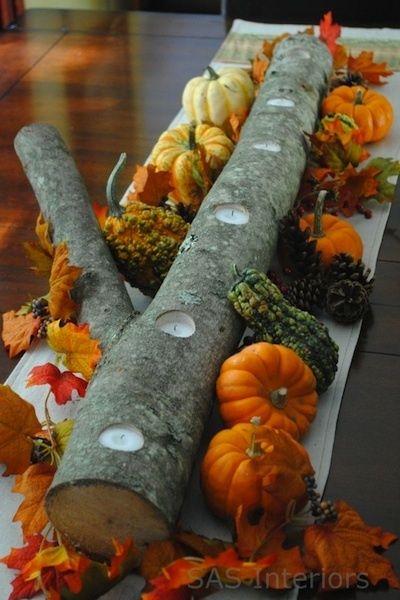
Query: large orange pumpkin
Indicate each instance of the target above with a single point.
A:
(270, 381)
(333, 235)
(253, 466)
(371, 110)
(194, 155)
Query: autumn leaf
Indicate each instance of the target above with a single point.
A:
(199, 544)
(17, 558)
(41, 260)
(150, 185)
(370, 71)
(79, 352)
(256, 536)
(125, 558)
(101, 213)
(42, 230)
(268, 46)
(329, 31)
(33, 484)
(18, 423)
(259, 67)
(388, 167)
(62, 279)
(62, 384)
(158, 555)
(235, 124)
(18, 331)
(354, 187)
(346, 548)
(340, 57)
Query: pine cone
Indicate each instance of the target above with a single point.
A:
(297, 248)
(344, 267)
(346, 301)
(307, 292)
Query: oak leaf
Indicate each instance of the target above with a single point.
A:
(345, 549)
(33, 484)
(370, 71)
(62, 384)
(18, 423)
(62, 279)
(329, 31)
(150, 185)
(79, 352)
(18, 331)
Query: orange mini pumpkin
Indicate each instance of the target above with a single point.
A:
(254, 466)
(372, 111)
(332, 234)
(270, 381)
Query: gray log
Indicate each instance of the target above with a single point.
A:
(65, 204)
(162, 384)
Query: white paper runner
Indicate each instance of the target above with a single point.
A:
(319, 440)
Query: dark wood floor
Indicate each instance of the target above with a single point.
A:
(111, 82)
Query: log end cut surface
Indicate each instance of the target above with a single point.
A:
(94, 514)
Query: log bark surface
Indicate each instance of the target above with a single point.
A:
(162, 384)
(65, 204)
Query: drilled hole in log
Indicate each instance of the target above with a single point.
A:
(269, 145)
(232, 213)
(96, 512)
(282, 102)
(176, 323)
(122, 436)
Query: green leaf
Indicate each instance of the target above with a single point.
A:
(388, 167)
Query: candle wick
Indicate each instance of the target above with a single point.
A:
(233, 212)
(174, 327)
(122, 436)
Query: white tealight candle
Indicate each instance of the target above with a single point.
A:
(284, 102)
(122, 436)
(234, 214)
(269, 145)
(176, 323)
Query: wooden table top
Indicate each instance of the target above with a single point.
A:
(111, 82)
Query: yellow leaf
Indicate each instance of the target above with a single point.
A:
(62, 280)
(79, 352)
(41, 260)
(18, 423)
(42, 231)
(33, 484)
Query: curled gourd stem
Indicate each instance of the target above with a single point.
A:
(213, 74)
(279, 397)
(317, 231)
(113, 204)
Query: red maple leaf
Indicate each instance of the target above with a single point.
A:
(329, 31)
(62, 384)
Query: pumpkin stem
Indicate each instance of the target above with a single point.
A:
(317, 231)
(279, 397)
(192, 135)
(113, 204)
(255, 449)
(212, 74)
(359, 97)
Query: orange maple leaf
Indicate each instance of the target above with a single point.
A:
(372, 72)
(268, 46)
(33, 484)
(158, 555)
(18, 331)
(150, 185)
(235, 124)
(340, 57)
(344, 549)
(259, 67)
(62, 279)
(329, 31)
(258, 535)
(79, 352)
(42, 230)
(355, 186)
(18, 423)
(101, 213)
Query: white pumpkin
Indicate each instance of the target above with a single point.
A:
(214, 97)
